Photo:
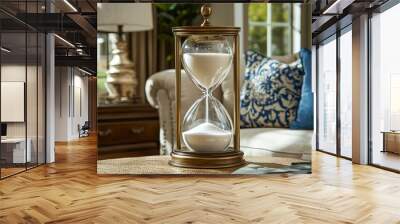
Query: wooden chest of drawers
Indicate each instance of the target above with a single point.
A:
(127, 130)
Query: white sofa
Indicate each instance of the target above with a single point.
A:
(160, 93)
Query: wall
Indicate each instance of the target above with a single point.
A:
(222, 14)
(33, 126)
(80, 103)
(17, 73)
(61, 103)
(71, 102)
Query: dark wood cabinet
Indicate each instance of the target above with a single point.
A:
(128, 130)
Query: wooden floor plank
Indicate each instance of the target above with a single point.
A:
(70, 191)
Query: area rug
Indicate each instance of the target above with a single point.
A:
(159, 165)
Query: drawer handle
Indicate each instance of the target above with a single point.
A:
(136, 131)
(105, 133)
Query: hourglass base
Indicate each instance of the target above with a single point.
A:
(206, 160)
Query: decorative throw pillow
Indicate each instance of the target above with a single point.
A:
(305, 112)
(270, 93)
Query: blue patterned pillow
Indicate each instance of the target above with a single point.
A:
(270, 93)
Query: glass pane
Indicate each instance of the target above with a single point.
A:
(103, 54)
(346, 94)
(31, 88)
(280, 12)
(280, 41)
(394, 102)
(112, 40)
(385, 89)
(13, 85)
(31, 98)
(258, 39)
(296, 29)
(257, 12)
(102, 44)
(41, 98)
(296, 15)
(327, 97)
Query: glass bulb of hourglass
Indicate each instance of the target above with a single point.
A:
(207, 60)
(207, 126)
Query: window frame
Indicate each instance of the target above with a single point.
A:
(270, 25)
(40, 48)
(333, 37)
(381, 9)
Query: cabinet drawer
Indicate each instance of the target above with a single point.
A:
(115, 133)
(392, 142)
(129, 150)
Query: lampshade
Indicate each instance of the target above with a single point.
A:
(133, 17)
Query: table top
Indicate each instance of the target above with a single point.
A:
(146, 165)
(391, 132)
(13, 140)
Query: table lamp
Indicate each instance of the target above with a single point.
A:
(121, 81)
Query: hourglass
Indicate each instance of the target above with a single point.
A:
(210, 137)
(207, 126)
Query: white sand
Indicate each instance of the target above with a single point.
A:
(207, 137)
(207, 67)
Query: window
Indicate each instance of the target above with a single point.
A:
(22, 87)
(104, 42)
(394, 101)
(335, 108)
(274, 29)
(327, 96)
(346, 93)
(385, 88)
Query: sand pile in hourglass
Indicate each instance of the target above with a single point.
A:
(205, 68)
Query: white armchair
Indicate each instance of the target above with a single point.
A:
(160, 93)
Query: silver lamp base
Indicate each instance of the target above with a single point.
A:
(121, 81)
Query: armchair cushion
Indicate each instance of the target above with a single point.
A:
(271, 92)
(279, 140)
(227, 84)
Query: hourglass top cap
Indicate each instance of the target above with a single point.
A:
(205, 27)
(206, 13)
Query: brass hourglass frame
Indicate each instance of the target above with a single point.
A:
(233, 156)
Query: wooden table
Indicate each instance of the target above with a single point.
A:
(146, 165)
(14, 150)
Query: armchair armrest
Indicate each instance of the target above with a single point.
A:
(164, 80)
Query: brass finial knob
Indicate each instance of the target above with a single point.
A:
(206, 13)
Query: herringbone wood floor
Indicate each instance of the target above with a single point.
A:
(70, 191)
